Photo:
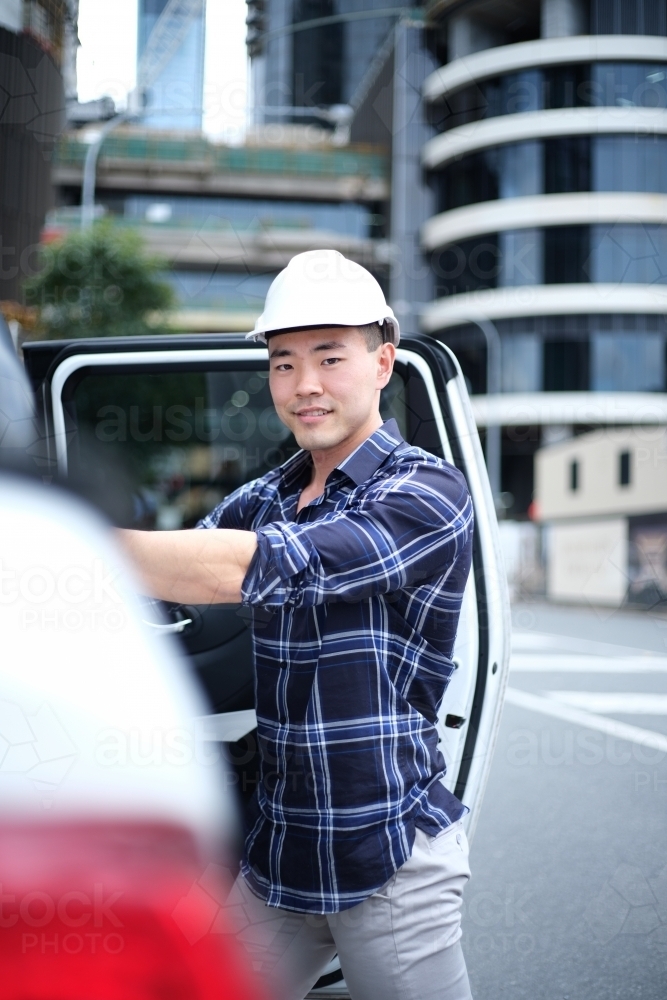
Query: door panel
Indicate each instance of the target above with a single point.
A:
(493, 609)
(173, 439)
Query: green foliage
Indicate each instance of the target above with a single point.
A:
(99, 283)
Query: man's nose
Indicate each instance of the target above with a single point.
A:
(309, 383)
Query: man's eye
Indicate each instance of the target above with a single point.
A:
(282, 368)
(330, 361)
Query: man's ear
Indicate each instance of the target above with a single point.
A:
(385, 362)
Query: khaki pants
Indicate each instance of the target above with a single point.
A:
(402, 943)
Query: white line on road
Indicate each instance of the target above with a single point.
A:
(544, 642)
(613, 702)
(544, 663)
(620, 730)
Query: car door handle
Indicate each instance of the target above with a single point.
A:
(171, 626)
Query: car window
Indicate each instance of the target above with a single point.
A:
(177, 442)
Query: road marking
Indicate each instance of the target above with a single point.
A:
(613, 702)
(620, 730)
(544, 642)
(544, 663)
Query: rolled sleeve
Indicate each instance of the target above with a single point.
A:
(398, 536)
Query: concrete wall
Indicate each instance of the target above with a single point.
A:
(587, 562)
(33, 114)
(412, 199)
(521, 542)
(599, 492)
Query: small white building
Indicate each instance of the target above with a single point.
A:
(603, 499)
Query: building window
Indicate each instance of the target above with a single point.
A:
(567, 164)
(624, 470)
(566, 254)
(628, 253)
(555, 166)
(629, 163)
(317, 63)
(627, 362)
(521, 257)
(468, 266)
(628, 17)
(603, 84)
(574, 475)
(243, 214)
(555, 255)
(521, 363)
(566, 365)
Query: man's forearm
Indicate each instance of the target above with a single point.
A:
(191, 567)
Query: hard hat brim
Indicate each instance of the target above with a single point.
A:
(390, 322)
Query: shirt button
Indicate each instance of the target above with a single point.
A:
(283, 666)
(282, 720)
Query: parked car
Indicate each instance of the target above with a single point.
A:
(159, 430)
(117, 831)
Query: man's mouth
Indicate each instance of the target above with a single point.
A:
(312, 413)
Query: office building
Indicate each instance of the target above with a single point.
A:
(227, 219)
(603, 499)
(549, 172)
(37, 50)
(170, 57)
(358, 72)
(295, 68)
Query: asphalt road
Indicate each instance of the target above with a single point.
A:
(569, 891)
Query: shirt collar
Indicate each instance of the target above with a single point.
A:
(369, 456)
(293, 471)
(359, 466)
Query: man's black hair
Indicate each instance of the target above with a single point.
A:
(375, 334)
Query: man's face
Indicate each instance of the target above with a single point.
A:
(326, 384)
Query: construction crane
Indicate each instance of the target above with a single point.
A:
(163, 42)
(169, 31)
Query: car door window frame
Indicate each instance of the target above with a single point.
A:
(460, 446)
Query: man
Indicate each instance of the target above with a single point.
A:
(357, 549)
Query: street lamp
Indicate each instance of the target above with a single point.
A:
(167, 34)
(90, 169)
(493, 379)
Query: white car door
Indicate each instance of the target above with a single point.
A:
(161, 429)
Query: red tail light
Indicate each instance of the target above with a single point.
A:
(117, 912)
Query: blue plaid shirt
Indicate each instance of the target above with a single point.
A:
(357, 600)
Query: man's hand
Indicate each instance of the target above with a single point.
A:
(191, 567)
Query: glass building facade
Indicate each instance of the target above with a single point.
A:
(320, 66)
(576, 192)
(579, 85)
(613, 253)
(561, 165)
(244, 214)
(572, 354)
(174, 98)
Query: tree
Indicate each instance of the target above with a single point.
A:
(99, 283)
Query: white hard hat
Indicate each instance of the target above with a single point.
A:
(323, 288)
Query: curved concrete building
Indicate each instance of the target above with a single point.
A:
(549, 172)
